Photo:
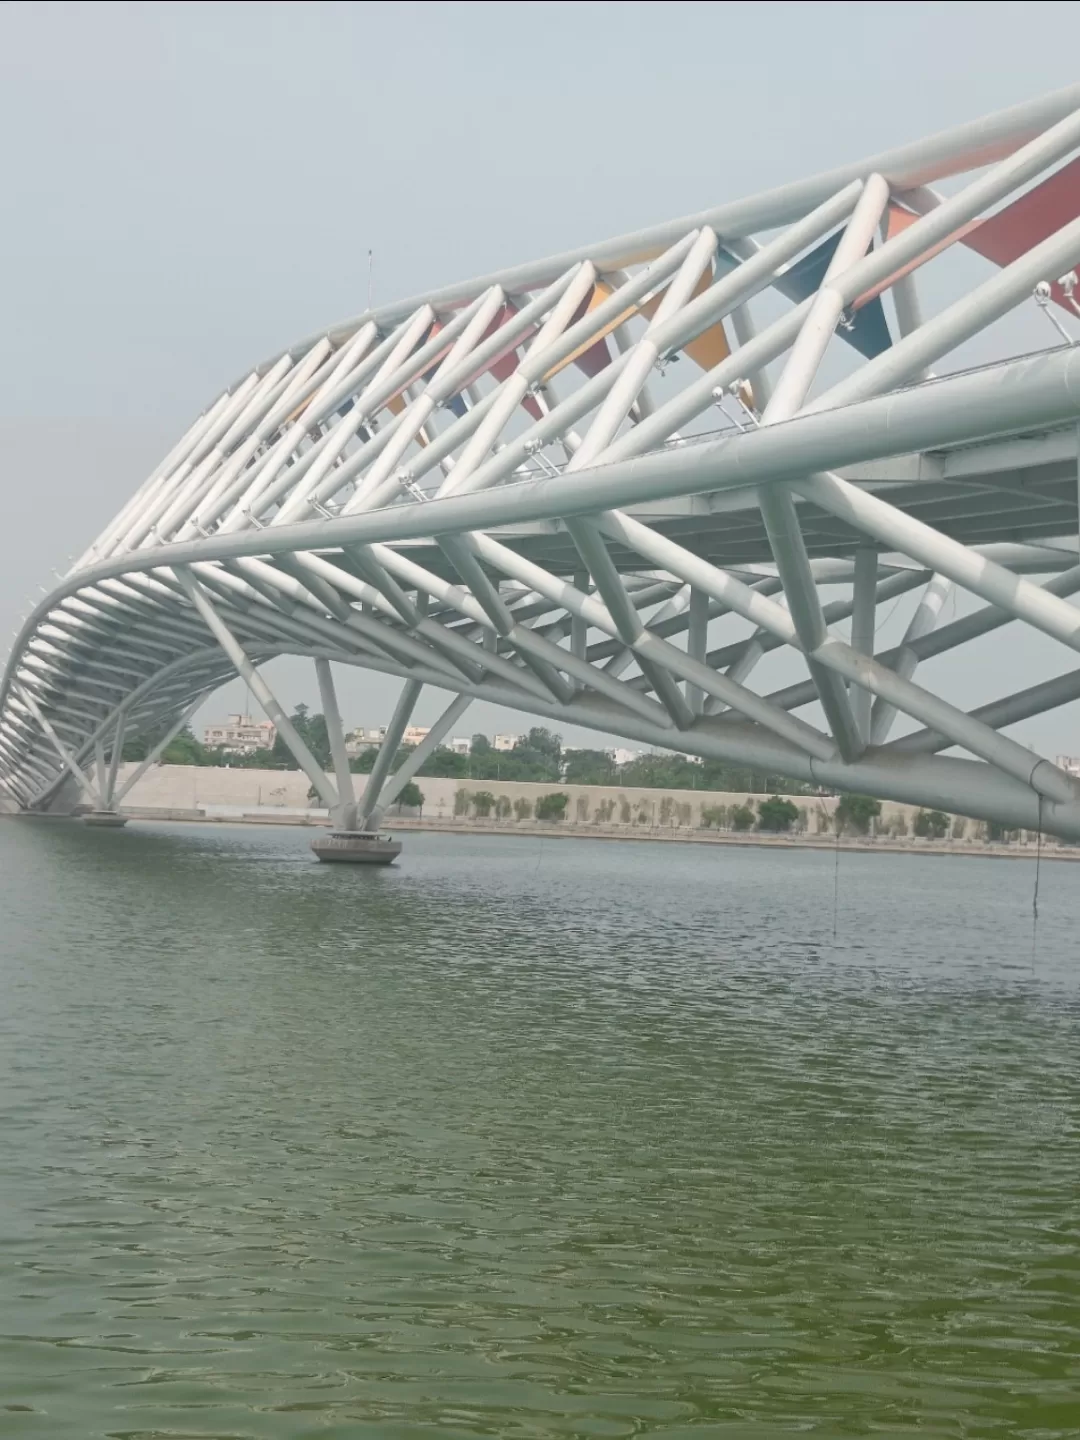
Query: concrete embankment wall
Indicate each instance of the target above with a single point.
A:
(192, 787)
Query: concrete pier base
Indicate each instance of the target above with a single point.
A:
(105, 819)
(356, 847)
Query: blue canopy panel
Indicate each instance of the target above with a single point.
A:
(869, 330)
(456, 403)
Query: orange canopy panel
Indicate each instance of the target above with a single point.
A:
(600, 292)
(711, 346)
(707, 350)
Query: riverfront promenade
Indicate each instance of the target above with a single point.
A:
(186, 793)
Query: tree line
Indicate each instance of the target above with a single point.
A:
(537, 758)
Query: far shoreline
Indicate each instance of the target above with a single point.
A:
(1051, 848)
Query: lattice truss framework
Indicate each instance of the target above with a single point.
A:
(503, 491)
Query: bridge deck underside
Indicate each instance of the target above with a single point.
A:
(1017, 505)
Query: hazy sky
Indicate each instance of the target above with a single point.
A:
(188, 188)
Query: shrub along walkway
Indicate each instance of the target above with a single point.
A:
(1052, 848)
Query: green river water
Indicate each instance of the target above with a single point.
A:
(533, 1138)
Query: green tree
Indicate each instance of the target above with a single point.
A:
(312, 730)
(776, 814)
(281, 757)
(662, 772)
(536, 756)
(543, 741)
(854, 812)
(364, 762)
(552, 807)
(678, 772)
(481, 745)
(411, 797)
(446, 763)
(931, 824)
(483, 802)
(138, 747)
(522, 808)
(184, 749)
(742, 817)
(318, 741)
(589, 767)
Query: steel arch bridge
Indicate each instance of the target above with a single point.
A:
(508, 490)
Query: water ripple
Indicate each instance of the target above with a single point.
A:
(533, 1140)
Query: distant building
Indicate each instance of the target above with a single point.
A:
(415, 734)
(504, 742)
(625, 757)
(241, 734)
(1070, 764)
(361, 739)
(460, 745)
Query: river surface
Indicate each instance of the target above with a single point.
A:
(533, 1138)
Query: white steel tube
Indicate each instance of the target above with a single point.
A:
(68, 761)
(414, 762)
(154, 754)
(644, 355)
(421, 409)
(258, 686)
(345, 814)
(516, 386)
(410, 693)
(906, 659)
(969, 146)
(863, 620)
(697, 644)
(180, 480)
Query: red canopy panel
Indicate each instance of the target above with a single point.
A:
(1030, 220)
(1006, 236)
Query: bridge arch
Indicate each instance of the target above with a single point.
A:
(601, 489)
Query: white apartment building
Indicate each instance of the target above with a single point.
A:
(415, 734)
(1070, 764)
(360, 739)
(460, 745)
(241, 734)
(504, 742)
